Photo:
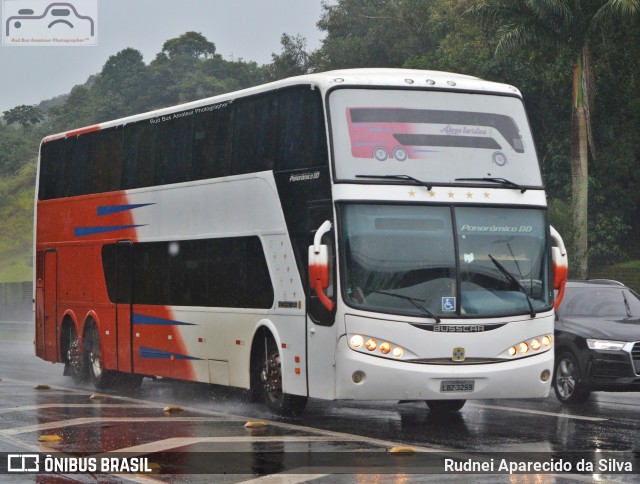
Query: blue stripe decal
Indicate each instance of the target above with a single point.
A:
(151, 320)
(84, 231)
(110, 209)
(152, 353)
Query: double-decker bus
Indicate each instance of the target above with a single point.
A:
(256, 240)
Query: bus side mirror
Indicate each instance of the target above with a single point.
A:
(560, 266)
(319, 266)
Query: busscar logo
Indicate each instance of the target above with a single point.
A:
(458, 354)
(46, 23)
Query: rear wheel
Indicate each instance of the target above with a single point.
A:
(567, 380)
(271, 384)
(75, 362)
(445, 406)
(100, 377)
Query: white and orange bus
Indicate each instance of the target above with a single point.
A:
(253, 240)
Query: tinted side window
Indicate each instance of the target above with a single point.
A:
(173, 150)
(254, 134)
(189, 273)
(51, 170)
(116, 263)
(226, 272)
(139, 154)
(301, 129)
(151, 273)
(212, 143)
(78, 156)
(107, 160)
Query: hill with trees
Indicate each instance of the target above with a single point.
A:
(577, 67)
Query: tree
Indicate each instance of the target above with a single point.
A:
(121, 86)
(292, 61)
(24, 115)
(573, 26)
(192, 44)
(373, 33)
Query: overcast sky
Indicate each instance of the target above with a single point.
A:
(247, 29)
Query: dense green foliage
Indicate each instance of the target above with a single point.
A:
(422, 34)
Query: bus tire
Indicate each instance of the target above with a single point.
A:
(280, 403)
(74, 364)
(100, 377)
(444, 406)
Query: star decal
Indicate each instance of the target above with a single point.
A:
(487, 194)
(451, 194)
(469, 195)
(432, 194)
(412, 194)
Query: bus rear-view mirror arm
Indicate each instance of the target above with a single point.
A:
(319, 266)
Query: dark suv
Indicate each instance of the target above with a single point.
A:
(597, 340)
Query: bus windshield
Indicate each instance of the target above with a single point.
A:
(433, 136)
(444, 261)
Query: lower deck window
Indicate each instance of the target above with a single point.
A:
(223, 272)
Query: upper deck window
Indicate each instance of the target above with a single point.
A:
(433, 136)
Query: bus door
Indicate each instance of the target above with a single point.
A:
(124, 329)
(321, 327)
(49, 324)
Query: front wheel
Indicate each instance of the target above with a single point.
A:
(567, 380)
(445, 406)
(271, 385)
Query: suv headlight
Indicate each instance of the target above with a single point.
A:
(603, 344)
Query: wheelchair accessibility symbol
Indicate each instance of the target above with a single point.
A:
(448, 304)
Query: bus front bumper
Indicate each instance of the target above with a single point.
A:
(364, 377)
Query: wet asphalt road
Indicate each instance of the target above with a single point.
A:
(213, 421)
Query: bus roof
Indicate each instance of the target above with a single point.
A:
(365, 77)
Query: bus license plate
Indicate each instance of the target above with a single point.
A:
(447, 386)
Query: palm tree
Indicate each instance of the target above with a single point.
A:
(573, 25)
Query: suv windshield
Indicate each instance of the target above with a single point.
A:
(444, 261)
(613, 302)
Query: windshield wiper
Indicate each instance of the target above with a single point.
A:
(626, 305)
(412, 300)
(429, 185)
(501, 181)
(511, 278)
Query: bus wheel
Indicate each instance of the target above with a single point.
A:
(75, 366)
(400, 154)
(100, 377)
(445, 406)
(380, 153)
(271, 382)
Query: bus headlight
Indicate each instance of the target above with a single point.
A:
(539, 344)
(356, 341)
(369, 345)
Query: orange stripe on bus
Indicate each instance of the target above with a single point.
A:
(88, 129)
